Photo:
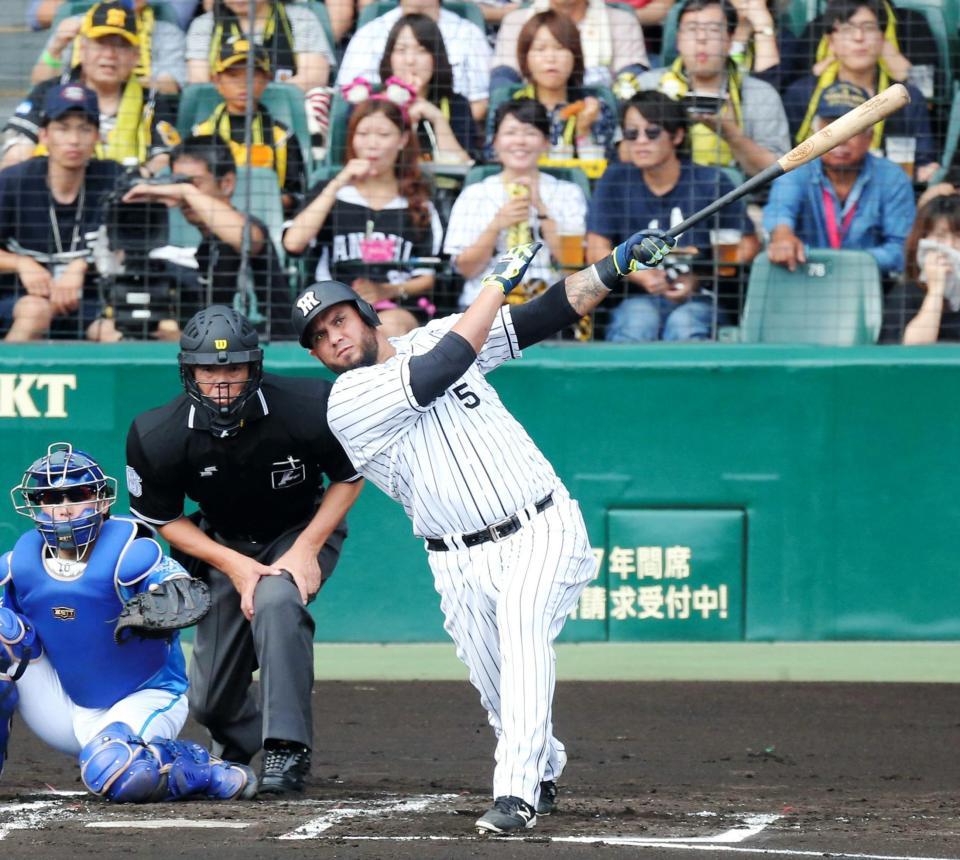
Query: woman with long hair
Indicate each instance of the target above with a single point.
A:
(291, 34)
(369, 224)
(550, 57)
(928, 300)
(415, 54)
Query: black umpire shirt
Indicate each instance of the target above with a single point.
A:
(252, 486)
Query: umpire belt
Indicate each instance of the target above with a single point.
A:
(497, 531)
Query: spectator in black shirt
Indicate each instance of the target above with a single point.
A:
(49, 206)
(205, 203)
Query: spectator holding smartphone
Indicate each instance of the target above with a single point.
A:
(746, 126)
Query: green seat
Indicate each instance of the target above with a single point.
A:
(470, 11)
(284, 101)
(948, 41)
(952, 138)
(162, 10)
(480, 172)
(337, 134)
(834, 299)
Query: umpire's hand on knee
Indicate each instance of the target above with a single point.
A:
(300, 561)
(245, 572)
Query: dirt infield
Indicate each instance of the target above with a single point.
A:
(720, 768)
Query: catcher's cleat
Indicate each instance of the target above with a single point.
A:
(547, 804)
(285, 769)
(511, 267)
(507, 815)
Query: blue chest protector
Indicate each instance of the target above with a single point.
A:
(75, 618)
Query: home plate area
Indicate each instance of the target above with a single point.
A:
(705, 770)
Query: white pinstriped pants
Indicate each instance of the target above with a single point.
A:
(504, 604)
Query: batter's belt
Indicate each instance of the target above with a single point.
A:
(495, 532)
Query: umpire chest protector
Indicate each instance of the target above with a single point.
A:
(254, 485)
(74, 617)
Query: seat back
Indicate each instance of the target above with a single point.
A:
(834, 299)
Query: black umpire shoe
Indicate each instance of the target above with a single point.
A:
(285, 769)
(547, 804)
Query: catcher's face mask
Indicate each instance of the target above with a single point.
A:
(67, 496)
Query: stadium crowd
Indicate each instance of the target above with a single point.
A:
(177, 153)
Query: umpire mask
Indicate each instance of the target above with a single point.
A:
(219, 337)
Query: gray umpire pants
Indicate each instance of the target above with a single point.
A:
(279, 641)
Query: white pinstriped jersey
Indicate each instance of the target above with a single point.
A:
(456, 465)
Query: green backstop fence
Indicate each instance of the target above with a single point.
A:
(731, 492)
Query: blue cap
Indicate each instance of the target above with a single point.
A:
(840, 98)
(67, 97)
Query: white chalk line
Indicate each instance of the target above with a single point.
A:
(375, 808)
(31, 815)
(163, 823)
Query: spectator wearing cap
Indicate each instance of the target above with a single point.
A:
(466, 44)
(50, 206)
(855, 38)
(272, 144)
(291, 34)
(136, 125)
(749, 127)
(161, 64)
(846, 199)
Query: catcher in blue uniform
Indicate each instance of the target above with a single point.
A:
(90, 656)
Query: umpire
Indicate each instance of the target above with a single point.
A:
(250, 449)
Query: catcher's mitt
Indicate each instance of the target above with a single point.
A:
(172, 605)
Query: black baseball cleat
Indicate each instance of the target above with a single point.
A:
(507, 814)
(547, 804)
(285, 769)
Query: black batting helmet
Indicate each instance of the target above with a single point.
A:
(218, 335)
(315, 299)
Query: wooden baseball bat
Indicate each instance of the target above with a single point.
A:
(853, 122)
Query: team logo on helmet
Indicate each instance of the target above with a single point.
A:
(307, 302)
(220, 344)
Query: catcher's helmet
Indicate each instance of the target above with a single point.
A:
(65, 477)
(315, 299)
(218, 336)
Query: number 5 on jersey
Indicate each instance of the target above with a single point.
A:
(470, 400)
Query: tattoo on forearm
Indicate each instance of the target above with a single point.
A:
(585, 290)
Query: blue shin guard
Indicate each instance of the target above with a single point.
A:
(119, 766)
(8, 704)
(192, 772)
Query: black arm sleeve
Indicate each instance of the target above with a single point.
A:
(543, 316)
(435, 371)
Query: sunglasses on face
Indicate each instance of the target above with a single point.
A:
(69, 496)
(651, 132)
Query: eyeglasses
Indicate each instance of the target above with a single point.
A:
(866, 29)
(651, 132)
(711, 31)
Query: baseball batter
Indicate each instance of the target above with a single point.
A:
(119, 707)
(507, 545)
